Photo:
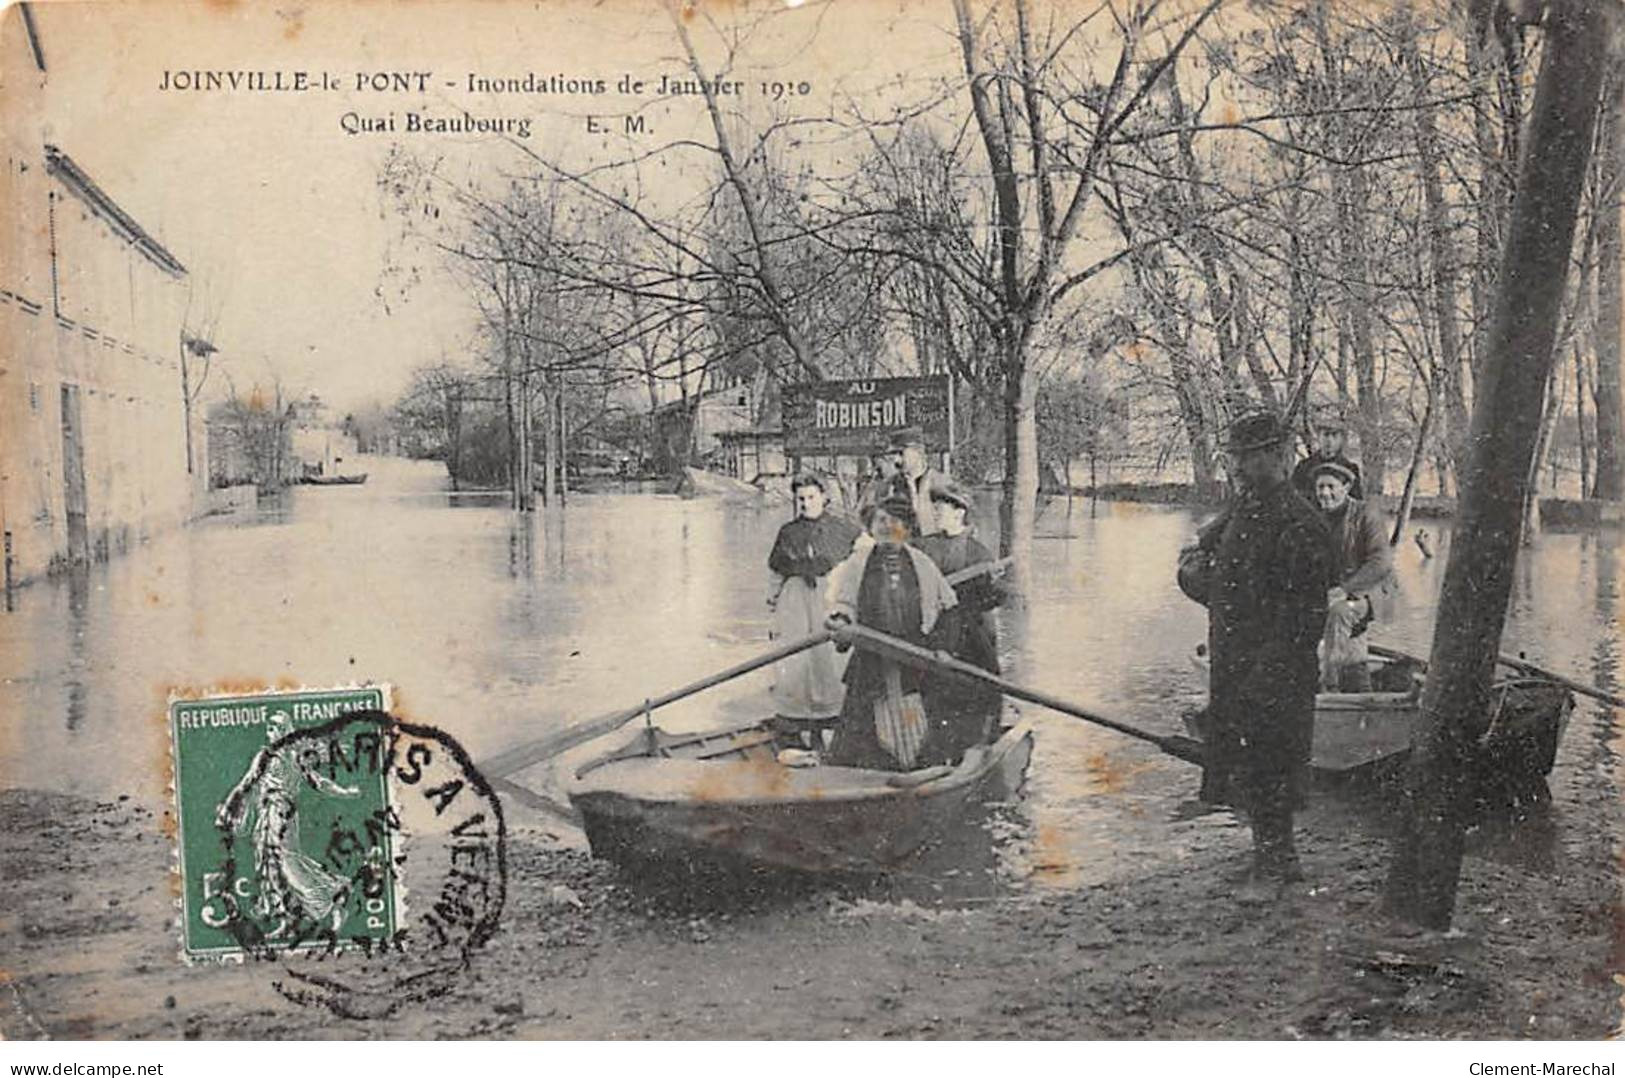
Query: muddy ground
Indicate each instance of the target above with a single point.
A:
(91, 945)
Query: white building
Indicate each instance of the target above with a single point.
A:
(93, 446)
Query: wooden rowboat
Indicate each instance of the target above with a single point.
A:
(722, 799)
(335, 480)
(1358, 729)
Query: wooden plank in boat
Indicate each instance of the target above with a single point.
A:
(676, 779)
(1363, 701)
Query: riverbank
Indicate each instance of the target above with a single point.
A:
(1168, 953)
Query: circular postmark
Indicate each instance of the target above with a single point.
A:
(368, 843)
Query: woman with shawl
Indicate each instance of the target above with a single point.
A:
(893, 587)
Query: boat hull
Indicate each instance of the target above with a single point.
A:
(748, 811)
(1358, 730)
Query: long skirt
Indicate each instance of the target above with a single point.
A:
(806, 685)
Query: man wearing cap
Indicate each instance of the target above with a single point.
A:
(1266, 568)
(1330, 439)
(1364, 567)
(964, 715)
(882, 477)
(917, 477)
(892, 587)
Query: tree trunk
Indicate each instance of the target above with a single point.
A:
(1373, 454)
(1443, 251)
(1610, 482)
(1427, 858)
(1530, 526)
(527, 447)
(1492, 196)
(564, 448)
(550, 449)
(1351, 192)
(1407, 496)
(1580, 419)
(1018, 510)
(510, 413)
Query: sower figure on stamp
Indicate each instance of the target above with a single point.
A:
(291, 882)
(963, 715)
(1262, 570)
(807, 689)
(896, 589)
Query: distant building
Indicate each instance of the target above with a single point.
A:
(689, 430)
(93, 439)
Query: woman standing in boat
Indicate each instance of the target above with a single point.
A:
(807, 686)
(896, 589)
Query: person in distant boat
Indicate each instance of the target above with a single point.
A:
(807, 686)
(895, 588)
(917, 478)
(963, 715)
(1364, 567)
(1331, 437)
(1262, 569)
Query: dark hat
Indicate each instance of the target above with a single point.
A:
(900, 506)
(1329, 417)
(952, 491)
(908, 436)
(808, 479)
(1335, 469)
(1256, 430)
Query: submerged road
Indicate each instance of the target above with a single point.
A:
(498, 628)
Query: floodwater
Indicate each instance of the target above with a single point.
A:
(498, 628)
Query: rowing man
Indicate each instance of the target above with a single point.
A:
(965, 715)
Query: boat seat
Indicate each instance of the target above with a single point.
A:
(688, 779)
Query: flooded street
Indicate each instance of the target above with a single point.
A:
(498, 628)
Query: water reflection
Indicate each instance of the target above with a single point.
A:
(500, 627)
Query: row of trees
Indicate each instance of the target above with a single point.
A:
(1132, 222)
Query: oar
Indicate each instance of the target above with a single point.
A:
(902, 651)
(530, 752)
(1520, 665)
(970, 572)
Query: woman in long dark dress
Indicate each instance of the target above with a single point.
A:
(807, 686)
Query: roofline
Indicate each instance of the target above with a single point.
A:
(60, 164)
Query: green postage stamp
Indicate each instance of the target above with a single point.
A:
(286, 831)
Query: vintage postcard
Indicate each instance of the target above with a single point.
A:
(812, 519)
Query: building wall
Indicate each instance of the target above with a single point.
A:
(84, 308)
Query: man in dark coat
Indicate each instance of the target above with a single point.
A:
(1331, 437)
(1265, 567)
(963, 715)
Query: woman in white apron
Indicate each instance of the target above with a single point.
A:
(807, 687)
